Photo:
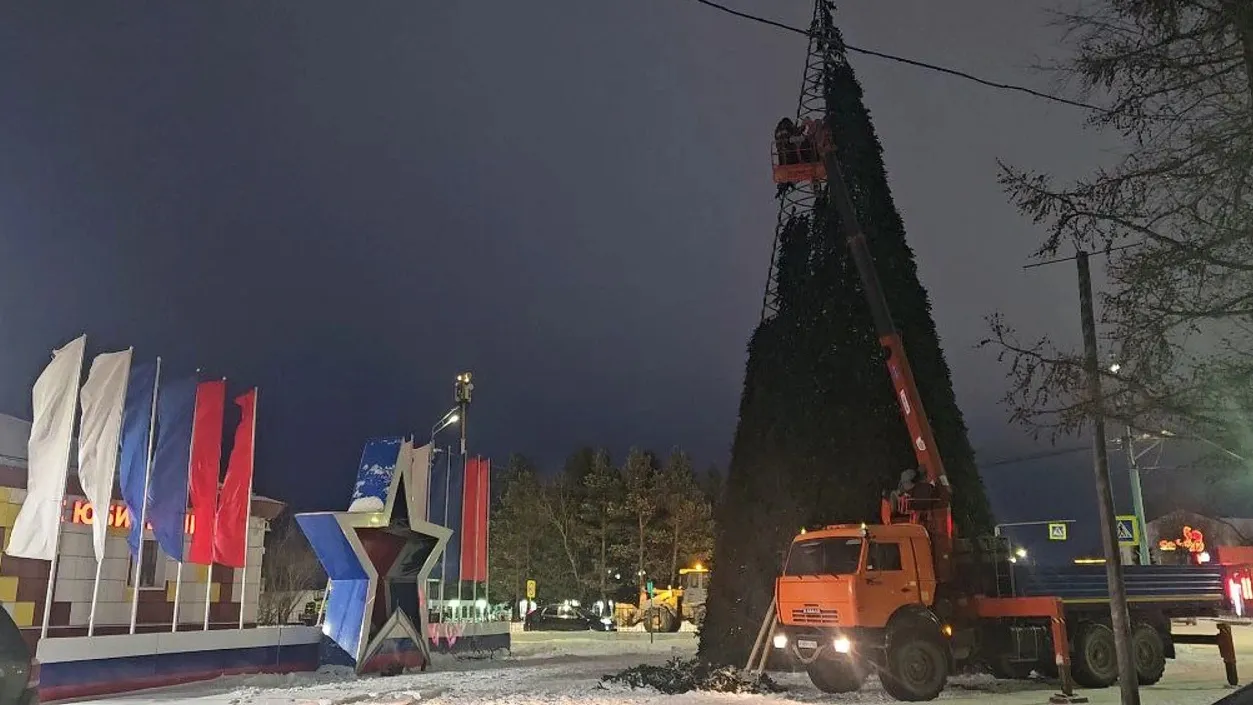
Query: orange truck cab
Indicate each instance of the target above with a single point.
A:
(853, 599)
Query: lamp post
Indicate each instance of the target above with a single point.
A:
(448, 419)
(1133, 468)
(451, 417)
(461, 393)
(462, 388)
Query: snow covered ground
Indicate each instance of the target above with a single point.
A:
(564, 669)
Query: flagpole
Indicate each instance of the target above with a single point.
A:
(143, 506)
(56, 539)
(208, 594)
(443, 564)
(252, 465)
(486, 536)
(178, 577)
(95, 511)
(326, 592)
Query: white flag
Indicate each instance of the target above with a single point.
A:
(99, 431)
(417, 483)
(55, 395)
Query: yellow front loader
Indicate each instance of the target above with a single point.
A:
(667, 609)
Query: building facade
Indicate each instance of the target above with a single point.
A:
(24, 582)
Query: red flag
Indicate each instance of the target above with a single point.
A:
(206, 467)
(474, 522)
(485, 489)
(230, 536)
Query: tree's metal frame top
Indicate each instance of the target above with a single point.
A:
(825, 53)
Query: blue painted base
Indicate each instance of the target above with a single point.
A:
(80, 667)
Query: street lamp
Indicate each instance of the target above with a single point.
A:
(451, 417)
(448, 419)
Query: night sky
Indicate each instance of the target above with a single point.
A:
(348, 203)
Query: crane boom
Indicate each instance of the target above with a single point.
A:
(934, 512)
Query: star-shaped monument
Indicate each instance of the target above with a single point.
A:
(378, 555)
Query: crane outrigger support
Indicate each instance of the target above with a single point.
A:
(1226, 648)
(1048, 607)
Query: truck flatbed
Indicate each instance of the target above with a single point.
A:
(1165, 586)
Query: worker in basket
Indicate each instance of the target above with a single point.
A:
(814, 143)
(789, 141)
(913, 487)
(799, 150)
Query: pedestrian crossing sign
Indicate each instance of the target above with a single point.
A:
(1057, 531)
(1128, 530)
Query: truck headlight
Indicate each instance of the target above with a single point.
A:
(780, 641)
(842, 645)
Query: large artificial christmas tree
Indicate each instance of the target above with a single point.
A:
(820, 434)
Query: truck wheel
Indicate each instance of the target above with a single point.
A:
(835, 675)
(917, 669)
(1150, 653)
(676, 622)
(1095, 662)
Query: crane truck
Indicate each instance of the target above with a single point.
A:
(907, 600)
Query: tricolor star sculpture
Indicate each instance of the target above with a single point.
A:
(378, 559)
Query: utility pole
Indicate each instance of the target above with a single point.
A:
(1109, 537)
(1137, 495)
(461, 393)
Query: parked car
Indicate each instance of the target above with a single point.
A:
(19, 671)
(565, 618)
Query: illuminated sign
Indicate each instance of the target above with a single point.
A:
(118, 517)
(1192, 541)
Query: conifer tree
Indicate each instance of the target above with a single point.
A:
(602, 506)
(820, 436)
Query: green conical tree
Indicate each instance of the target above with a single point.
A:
(820, 435)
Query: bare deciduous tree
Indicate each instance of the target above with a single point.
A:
(289, 572)
(559, 504)
(1174, 215)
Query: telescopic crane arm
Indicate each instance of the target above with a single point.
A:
(933, 511)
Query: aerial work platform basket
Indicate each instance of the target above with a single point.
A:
(798, 156)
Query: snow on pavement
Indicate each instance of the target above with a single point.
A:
(565, 669)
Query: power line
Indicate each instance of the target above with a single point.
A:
(910, 62)
(1035, 456)
(1072, 258)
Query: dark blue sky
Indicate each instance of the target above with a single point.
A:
(572, 199)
